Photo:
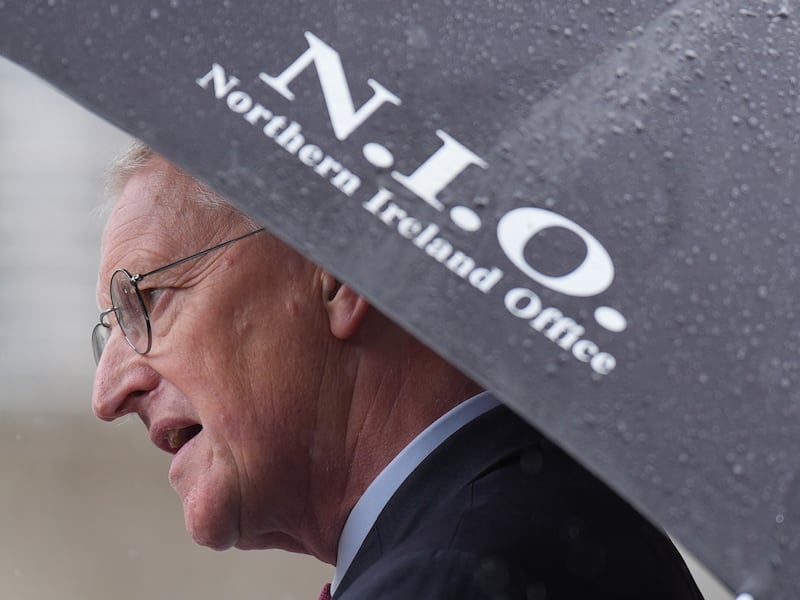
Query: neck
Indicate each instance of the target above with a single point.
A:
(398, 388)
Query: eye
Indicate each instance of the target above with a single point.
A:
(151, 298)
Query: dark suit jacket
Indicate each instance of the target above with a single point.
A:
(497, 512)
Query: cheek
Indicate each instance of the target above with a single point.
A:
(207, 343)
(256, 357)
(275, 345)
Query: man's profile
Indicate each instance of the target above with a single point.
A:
(301, 418)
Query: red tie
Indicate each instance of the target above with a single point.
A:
(325, 594)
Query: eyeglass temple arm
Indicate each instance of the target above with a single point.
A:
(138, 278)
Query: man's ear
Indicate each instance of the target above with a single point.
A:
(346, 307)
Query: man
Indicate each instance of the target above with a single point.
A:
(301, 418)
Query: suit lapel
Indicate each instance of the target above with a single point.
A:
(460, 459)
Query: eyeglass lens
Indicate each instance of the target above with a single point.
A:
(133, 319)
(100, 335)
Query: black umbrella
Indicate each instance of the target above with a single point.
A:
(587, 206)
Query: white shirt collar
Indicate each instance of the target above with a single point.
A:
(369, 506)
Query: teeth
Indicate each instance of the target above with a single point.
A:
(176, 438)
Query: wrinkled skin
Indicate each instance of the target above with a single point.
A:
(279, 392)
(241, 344)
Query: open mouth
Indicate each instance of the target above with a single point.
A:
(177, 438)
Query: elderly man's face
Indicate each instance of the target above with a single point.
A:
(231, 384)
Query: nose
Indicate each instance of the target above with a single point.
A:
(122, 381)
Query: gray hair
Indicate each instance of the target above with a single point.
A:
(137, 156)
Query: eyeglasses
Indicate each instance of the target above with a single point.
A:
(130, 308)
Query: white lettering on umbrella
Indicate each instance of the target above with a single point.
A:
(593, 276)
(345, 119)
(286, 133)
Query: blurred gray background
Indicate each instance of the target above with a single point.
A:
(85, 508)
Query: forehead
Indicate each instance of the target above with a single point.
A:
(156, 197)
(157, 216)
(155, 220)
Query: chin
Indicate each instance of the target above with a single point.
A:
(215, 540)
(215, 529)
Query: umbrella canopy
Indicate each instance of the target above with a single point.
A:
(589, 207)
